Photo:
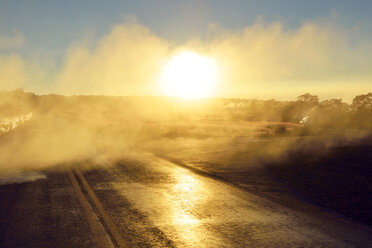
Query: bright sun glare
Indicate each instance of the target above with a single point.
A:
(189, 75)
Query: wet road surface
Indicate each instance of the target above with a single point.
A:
(41, 210)
(155, 203)
(192, 210)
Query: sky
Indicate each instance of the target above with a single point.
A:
(264, 49)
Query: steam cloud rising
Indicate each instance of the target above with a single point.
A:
(263, 60)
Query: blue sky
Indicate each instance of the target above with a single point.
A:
(53, 25)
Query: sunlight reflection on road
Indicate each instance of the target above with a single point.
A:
(176, 205)
(186, 193)
(196, 211)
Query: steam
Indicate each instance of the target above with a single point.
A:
(12, 72)
(268, 59)
(16, 40)
(68, 130)
(263, 60)
(127, 61)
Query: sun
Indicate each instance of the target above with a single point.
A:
(189, 75)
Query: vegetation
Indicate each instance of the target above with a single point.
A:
(321, 116)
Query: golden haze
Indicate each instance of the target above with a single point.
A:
(264, 60)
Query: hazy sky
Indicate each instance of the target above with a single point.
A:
(40, 42)
(54, 24)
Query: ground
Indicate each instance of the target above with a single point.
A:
(263, 190)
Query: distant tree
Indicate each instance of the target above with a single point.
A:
(334, 105)
(308, 98)
(362, 102)
(297, 110)
(362, 111)
(331, 114)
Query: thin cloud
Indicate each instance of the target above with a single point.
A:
(11, 41)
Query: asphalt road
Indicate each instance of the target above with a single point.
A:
(156, 203)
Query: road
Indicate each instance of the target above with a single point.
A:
(153, 202)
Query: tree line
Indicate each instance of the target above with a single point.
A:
(327, 113)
